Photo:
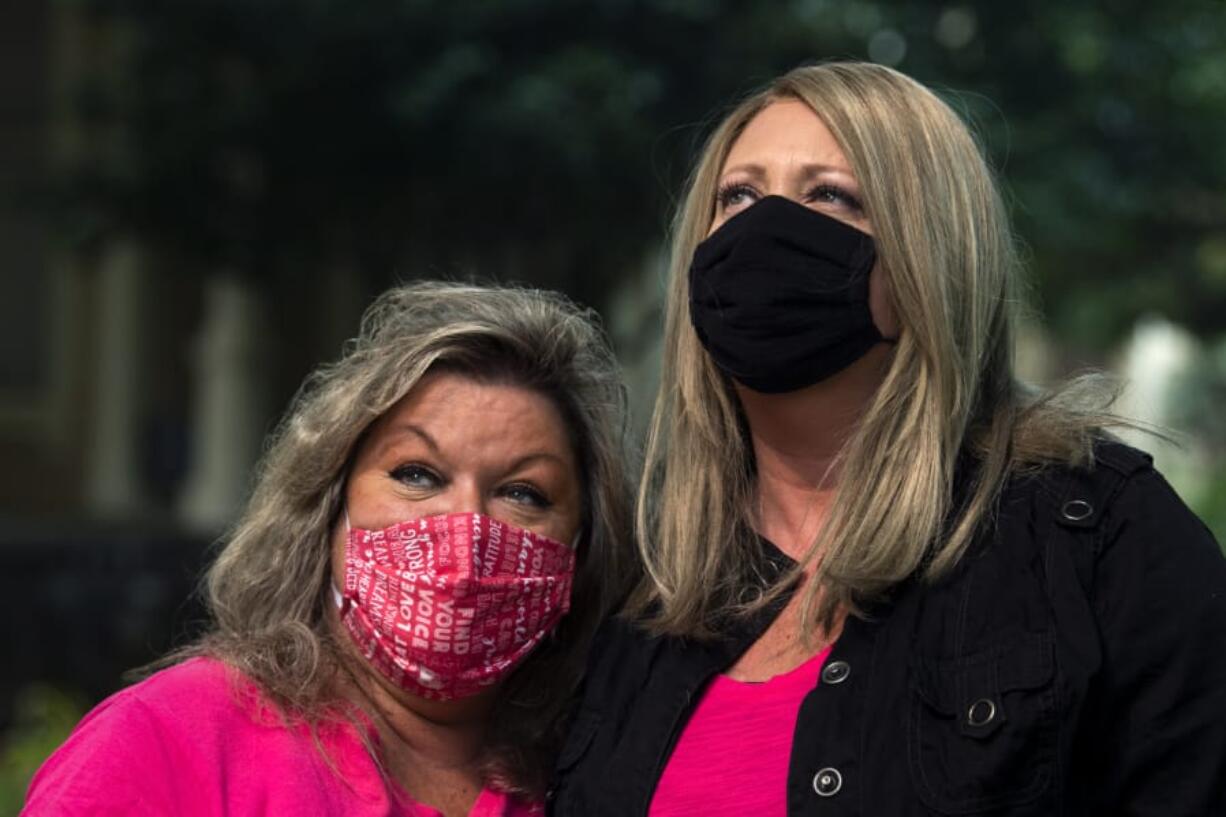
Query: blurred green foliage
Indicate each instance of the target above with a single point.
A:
(1212, 509)
(45, 716)
(545, 139)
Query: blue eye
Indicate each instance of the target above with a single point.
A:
(524, 494)
(416, 476)
(735, 195)
(837, 196)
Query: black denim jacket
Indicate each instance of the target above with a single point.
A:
(1073, 664)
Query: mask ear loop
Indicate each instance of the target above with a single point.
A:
(337, 596)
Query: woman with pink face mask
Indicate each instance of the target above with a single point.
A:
(401, 614)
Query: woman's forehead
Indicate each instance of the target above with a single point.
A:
(786, 132)
(449, 412)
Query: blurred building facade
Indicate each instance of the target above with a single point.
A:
(133, 400)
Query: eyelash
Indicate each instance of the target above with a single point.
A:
(728, 191)
(535, 497)
(410, 472)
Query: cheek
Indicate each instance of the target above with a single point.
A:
(570, 527)
(566, 517)
(881, 304)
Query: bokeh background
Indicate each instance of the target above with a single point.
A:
(197, 198)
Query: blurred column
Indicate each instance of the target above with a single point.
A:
(635, 322)
(1035, 358)
(113, 485)
(1155, 363)
(229, 404)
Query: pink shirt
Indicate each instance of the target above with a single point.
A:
(189, 741)
(732, 756)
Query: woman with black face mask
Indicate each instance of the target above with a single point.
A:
(882, 576)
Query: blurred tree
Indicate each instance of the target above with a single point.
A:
(543, 139)
(1112, 117)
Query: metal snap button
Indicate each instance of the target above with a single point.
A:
(836, 672)
(827, 782)
(1076, 510)
(981, 713)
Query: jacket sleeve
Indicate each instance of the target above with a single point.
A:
(1160, 598)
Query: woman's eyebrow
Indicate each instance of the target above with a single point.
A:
(808, 170)
(754, 170)
(528, 459)
(399, 430)
(817, 169)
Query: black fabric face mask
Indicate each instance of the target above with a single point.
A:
(779, 296)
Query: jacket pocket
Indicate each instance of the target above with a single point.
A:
(983, 729)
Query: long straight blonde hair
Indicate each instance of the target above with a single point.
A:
(948, 254)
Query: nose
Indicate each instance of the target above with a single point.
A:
(467, 497)
(788, 185)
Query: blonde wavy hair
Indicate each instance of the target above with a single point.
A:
(269, 587)
(948, 255)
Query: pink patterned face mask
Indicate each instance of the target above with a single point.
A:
(446, 606)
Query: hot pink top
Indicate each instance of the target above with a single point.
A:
(195, 740)
(732, 757)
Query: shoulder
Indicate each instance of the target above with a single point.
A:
(1123, 498)
(1120, 500)
(1157, 596)
(1145, 503)
(1137, 545)
(1117, 531)
(141, 748)
(196, 699)
(1092, 486)
(1152, 550)
(1115, 467)
(177, 698)
(197, 684)
(1091, 497)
